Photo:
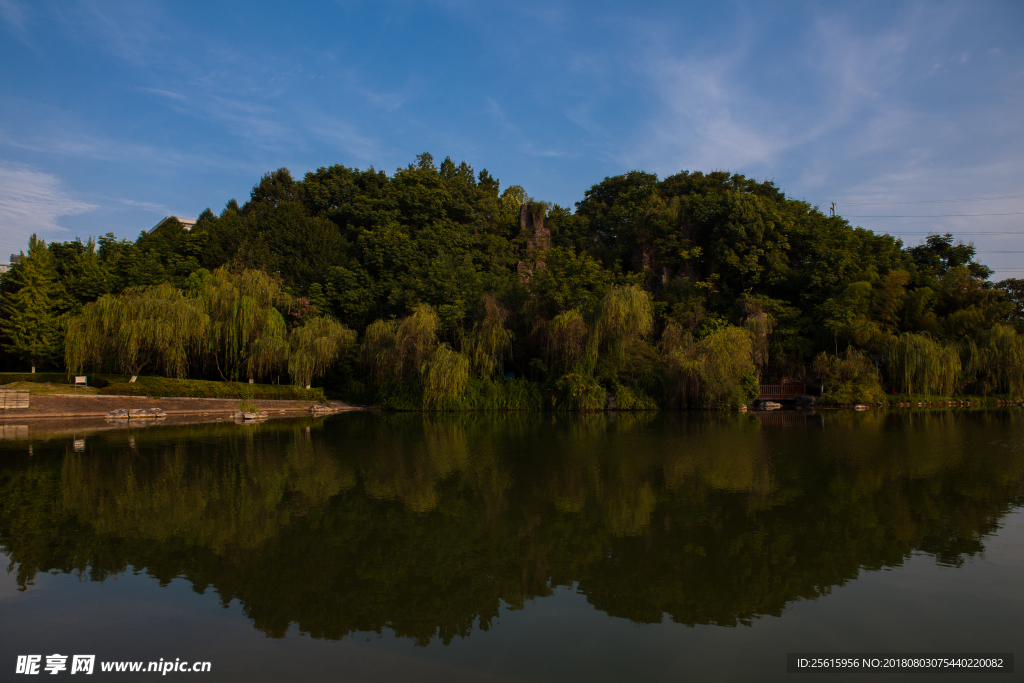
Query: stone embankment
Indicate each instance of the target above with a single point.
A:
(49, 406)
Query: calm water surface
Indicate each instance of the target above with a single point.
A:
(517, 547)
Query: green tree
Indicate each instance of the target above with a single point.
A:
(1014, 289)
(156, 325)
(30, 321)
(247, 335)
(314, 346)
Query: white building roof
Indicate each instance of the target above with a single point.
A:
(187, 222)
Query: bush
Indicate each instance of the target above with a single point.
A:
(94, 381)
(850, 379)
(715, 372)
(502, 394)
(628, 399)
(37, 377)
(197, 388)
(578, 392)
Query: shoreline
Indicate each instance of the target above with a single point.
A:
(64, 406)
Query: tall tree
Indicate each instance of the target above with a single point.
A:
(247, 334)
(140, 327)
(30, 324)
(314, 346)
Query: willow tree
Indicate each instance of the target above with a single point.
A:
(404, 356)
(759, 324)
(566, 340)
(247, 334)
(394, 349)
(712, 372)
(156, 325)
(623, 316)
(314, 346)
(489, 343)
(444, 376)
(917, 363)
(995, 361)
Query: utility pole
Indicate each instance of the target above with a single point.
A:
(832, 210)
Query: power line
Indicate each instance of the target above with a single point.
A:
(946, 215)
(934, 201)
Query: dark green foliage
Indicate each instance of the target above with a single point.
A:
(1014, 293)
(40, 377)
(994, 362)
(917, 363)
(851, 378)
(516, 285)
(30, 327)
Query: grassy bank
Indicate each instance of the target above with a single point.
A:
(931, 400)
(37, 377)
(926, 400)
(165, 387)
(37, 389)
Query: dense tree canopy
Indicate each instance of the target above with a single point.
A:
(705, 253)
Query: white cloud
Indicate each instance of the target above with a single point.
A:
(343, 136)
(163, 93)
(12, 14)
(148, 206)
(31, 202)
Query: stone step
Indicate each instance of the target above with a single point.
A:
(12, 399)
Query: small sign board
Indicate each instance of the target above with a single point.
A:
(81, 381)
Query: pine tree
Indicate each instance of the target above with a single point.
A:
(30, 324)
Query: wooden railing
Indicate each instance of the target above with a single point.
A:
(782, 390)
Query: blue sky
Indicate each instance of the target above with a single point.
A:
(115, 114)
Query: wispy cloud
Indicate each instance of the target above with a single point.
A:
(342, 135)
(132, 31)
(164, 93)
(32, 202)
(148, 206)
(61, 133)
(13, 14)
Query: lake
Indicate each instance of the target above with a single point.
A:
(516, 547)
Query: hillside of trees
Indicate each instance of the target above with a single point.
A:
(435, 288)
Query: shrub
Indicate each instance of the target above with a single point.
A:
(579, 392)
(850, 379)
(196, 388)
(714, 372)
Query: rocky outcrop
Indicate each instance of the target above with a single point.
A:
(326, 410)
(538, 239)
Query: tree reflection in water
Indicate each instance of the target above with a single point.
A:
(428, 525)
